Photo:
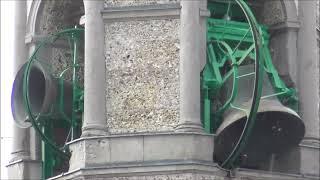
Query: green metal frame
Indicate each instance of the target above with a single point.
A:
(52, 154)
(229, 43)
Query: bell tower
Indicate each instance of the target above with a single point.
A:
(166, 89)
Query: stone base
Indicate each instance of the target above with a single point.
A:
(249, 174)
(168, 156)
(25, 169)
(174, 171)
(140, 148)
(300, 160)
(149, 171)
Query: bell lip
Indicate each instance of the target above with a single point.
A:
(15, 89)
(48, 99)
(275, 107)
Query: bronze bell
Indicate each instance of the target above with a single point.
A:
(277, 128)
(44, 92)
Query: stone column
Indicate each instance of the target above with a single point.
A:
(308, 83)
(21, 166)
(190, 62)
(94, 123)
(21, 145)
(308, 71)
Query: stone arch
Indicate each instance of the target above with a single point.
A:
(281, 17)
(283, 42)
(46, 17)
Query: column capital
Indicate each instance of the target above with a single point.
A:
(93, 5)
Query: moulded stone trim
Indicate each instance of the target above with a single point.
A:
(140, 149)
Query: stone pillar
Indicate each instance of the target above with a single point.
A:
(308, 71)
(20, 135)
(190, 62)
(308, 83)
(94, 123)
(21, 166)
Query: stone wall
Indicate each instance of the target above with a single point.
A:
(272, 13)
(56, 16)
(142, 72)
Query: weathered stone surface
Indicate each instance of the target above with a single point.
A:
(119, 3)
(142, 62)
(144, 149)
(272, 13)
(185, 176)
(24, 169)
(62, 59)
(56, 17)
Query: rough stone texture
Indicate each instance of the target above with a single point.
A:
(24, 169)
(122, 3)
(62, 59)
(145, 152)
(272, 13)
(142, 61)
(56, 17)
(185, 176)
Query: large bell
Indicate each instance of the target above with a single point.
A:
(44, 92)
(277, 127)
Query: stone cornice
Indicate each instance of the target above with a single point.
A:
(129, 13)
(294, 25)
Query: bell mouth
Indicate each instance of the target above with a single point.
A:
(276, 129)
(36, 92)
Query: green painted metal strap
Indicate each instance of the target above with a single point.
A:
(228, 163)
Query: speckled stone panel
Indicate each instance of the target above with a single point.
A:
(272, 13)
(54, 17)
(142, 72)
(122, 3)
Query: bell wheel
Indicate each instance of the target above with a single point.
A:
(232, 78)
(53, 95)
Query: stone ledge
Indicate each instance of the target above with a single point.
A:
(303, 160)
(140, 148)
(163, 11)
(166, 155)
(284, 26)
(22, 161)
(187, 170)
(25, 169)
(259, 174)
(142, 12)
(151, 169)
